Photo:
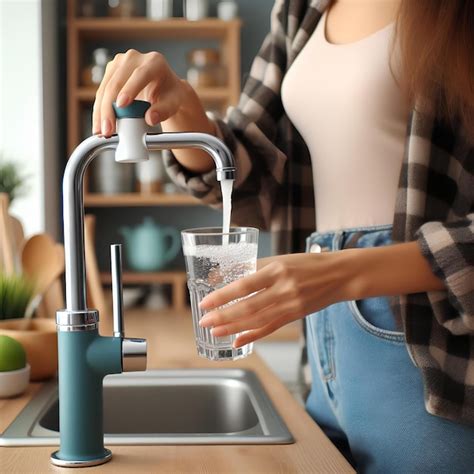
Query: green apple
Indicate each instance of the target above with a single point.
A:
(12, 354)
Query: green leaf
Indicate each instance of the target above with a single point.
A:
(16, 292)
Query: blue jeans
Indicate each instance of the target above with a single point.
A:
(367, 395)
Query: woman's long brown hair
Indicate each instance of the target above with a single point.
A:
(436, 39)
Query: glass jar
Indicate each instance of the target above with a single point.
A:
(93, 73)
(196, 9)
(227, 10)
(205, 68)
(159, 9)
(151, 174)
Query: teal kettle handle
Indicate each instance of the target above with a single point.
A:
(175, 243)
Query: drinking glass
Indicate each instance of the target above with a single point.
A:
(213, 260)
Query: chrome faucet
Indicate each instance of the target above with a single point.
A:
(85, 357)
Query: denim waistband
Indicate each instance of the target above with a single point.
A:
(359, 237)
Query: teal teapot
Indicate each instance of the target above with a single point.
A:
(149, 246)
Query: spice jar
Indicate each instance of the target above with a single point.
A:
(151, 173)
(227, 10)
(196, 9)
(110, 177)
(204, 68)
(122, 8)
(159, 9)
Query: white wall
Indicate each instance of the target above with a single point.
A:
(28, 106)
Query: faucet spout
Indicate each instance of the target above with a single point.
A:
(74, 199)
(223, 159)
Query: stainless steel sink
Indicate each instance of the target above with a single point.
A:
(165, 407)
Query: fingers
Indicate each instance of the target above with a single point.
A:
(263, 262)
(252, 336)
(134, 74)
(245, 308)
(109, 70)
(152, 68)
(237, 289)
(256, 321)
(121, 74)
(162, 110)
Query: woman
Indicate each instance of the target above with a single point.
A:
(321, 142)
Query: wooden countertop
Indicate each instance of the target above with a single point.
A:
(311, 453)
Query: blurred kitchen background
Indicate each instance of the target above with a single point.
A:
(52, 56)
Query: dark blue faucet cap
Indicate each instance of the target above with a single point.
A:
(136, 109)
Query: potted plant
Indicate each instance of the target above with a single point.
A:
(37, 336)
(12, 182)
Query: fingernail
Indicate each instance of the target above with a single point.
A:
(205, 322)
(106, 128)
(122, 99)
(154, 117)
(238, 343)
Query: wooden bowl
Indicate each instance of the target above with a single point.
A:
(39, 338)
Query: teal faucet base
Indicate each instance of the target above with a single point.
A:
(85, 358)
(58, 461)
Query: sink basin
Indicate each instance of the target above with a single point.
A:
(165, 407)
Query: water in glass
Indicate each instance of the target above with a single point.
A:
(212, 264)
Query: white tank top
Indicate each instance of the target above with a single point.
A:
(347, 105)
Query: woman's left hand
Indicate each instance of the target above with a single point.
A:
(284, 288)
(289, 287)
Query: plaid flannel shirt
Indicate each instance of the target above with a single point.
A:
(274, 191)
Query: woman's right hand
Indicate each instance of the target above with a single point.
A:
(174, 103)
(133, 75)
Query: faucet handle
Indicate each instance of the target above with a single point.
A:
(131, 129)
(117, 298)
(134, 354)
(134, 350)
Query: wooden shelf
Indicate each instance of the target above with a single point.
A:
(139, 199)
(87, 94)
(144, 28)
(84, 35)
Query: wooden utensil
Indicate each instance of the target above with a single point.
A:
(53, 299)
(18, 234)
(6, 239)
(43, 261)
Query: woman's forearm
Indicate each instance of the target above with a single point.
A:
(288, 287)
(392, 270)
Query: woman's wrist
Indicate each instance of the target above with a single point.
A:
(353, 277)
